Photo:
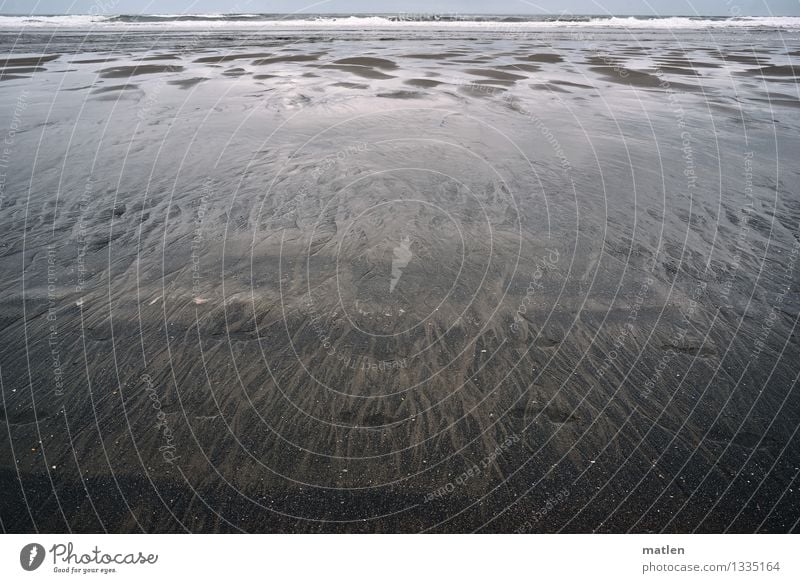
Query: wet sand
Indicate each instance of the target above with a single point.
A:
(355, 285)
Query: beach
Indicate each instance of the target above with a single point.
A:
(513, 276)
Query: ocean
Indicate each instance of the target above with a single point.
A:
(399, 273)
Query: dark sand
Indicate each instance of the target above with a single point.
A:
(132, 71)
(272, 287)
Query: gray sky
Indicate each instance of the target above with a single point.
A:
(660, 7)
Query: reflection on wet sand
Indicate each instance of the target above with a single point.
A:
(350, 268)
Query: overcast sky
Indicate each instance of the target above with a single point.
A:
(660, 7)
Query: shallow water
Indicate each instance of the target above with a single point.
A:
(307, 281)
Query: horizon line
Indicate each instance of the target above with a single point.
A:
(398, 13)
